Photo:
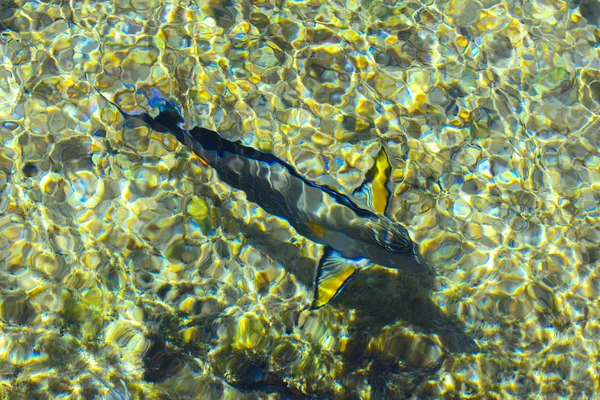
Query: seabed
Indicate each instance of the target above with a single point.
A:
(128, 270)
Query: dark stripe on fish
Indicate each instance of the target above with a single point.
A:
(169, 119)
(350, 233)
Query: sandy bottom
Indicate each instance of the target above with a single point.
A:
(129, 270)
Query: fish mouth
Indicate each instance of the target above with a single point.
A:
(414, 264)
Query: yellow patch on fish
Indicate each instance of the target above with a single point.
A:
(331, 286)
(332, 275)
(317, 229)
(380, 191)
(374, 190)
(203, 161)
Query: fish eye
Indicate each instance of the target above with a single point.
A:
(389, 238)
(387, 242)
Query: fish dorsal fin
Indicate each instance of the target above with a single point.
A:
(375, 191)
(333, 273)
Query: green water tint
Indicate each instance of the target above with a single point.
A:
(487, 112)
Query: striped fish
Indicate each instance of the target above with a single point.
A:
(352, 235)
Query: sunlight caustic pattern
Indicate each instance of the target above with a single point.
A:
(129, 269)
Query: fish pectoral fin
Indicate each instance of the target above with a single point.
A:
(375, 191)
(333, 273)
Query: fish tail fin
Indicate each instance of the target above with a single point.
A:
(168, 119)
(123, 113)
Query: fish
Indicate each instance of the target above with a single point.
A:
(354, 236)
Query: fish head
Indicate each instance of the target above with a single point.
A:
(393, 248)
(388, 257)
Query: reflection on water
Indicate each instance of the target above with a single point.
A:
(130, 269)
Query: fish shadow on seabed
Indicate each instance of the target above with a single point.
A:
(380, 299)
(379, 296)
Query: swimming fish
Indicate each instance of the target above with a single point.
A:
(352, 235)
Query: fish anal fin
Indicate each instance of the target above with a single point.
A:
(333, 273)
